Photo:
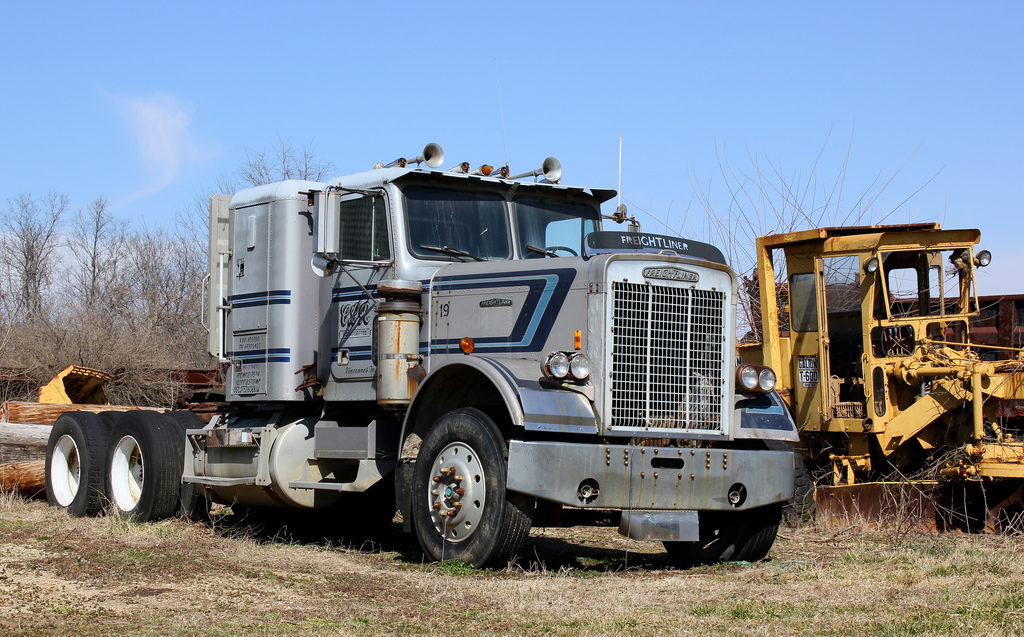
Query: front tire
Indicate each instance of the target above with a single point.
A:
(461, 509)
(730, 536)
(75, 478)
(144, 466)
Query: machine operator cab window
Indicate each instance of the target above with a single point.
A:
(922, 284)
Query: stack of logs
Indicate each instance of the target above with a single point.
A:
(24, 431)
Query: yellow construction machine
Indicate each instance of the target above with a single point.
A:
(869, 330)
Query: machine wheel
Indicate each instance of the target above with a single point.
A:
(75, 479)
(144, 466)
(461, 509)
(800, 508)
(730, 536)
(192, 505)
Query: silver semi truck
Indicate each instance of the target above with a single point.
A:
(474, 351)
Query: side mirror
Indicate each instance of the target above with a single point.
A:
(327, 226)
(327, 223)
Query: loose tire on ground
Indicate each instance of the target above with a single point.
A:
(467, 514)
(143, 466)
(730, 536)
(75, 475)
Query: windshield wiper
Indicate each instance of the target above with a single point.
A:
(547, 253)
(451, 252)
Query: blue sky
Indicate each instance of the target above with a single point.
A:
(148, 104)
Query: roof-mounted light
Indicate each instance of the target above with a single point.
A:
(871, 265)
(983, 258)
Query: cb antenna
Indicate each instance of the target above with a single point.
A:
(501, 113)
(618, 202)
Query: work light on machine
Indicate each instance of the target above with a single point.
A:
(983, 258)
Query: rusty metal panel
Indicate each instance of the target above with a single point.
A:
(873, 503)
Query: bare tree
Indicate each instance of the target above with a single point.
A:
(30, 238)
(98, 241)
(764, 198)
(283, 162)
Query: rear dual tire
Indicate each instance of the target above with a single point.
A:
(144, 466)
(130, 462)
(75, 454)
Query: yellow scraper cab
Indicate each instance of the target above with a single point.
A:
(869, 330)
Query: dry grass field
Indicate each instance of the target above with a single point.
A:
(66, 576)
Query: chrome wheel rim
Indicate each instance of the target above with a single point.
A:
(457, 492)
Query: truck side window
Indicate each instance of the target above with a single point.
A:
(364, 229)
(803, 302)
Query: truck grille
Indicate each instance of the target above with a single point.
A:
(668, 357)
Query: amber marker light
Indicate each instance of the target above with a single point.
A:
(467, 345)
(577, 341)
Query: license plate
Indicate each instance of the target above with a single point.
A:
(807, 370)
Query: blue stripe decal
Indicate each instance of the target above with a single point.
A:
(547, 292)
(256, 299)
(363, 353)
(272, 355)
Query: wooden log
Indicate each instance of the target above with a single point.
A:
(48, 413)
(20, 442)
(27, 478)
(24, 435)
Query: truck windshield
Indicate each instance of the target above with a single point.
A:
(460, 226)
(552, 228)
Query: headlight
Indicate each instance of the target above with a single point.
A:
(556, 365)
(579, 367)
(983, 258)
(766, 380)
(748, 377)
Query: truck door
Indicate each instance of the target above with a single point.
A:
(808, 322)
(365, 256)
